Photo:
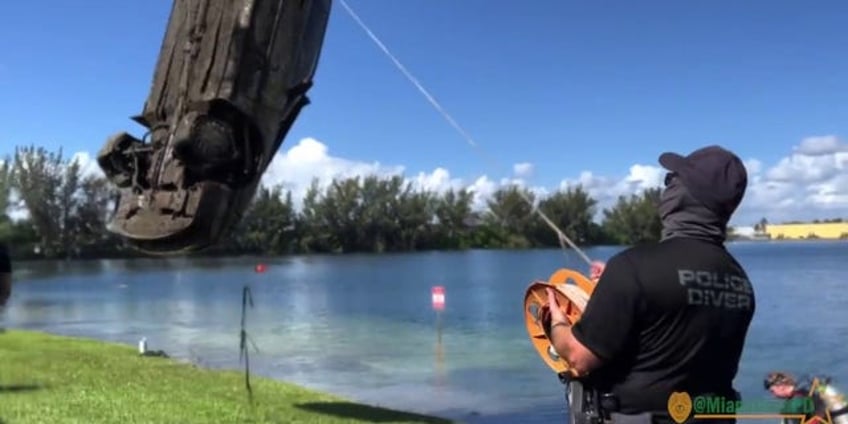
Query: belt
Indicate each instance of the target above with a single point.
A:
(610, 401)
(610, 404)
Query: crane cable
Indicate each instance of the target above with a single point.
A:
(563, 239)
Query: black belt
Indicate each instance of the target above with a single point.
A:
(588, 405)
(610, 403)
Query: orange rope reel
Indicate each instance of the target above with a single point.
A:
(572, 291)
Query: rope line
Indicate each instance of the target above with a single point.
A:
(563, 239)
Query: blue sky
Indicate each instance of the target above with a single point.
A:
(567, 86)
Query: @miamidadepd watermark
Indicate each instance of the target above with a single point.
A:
(682, 407)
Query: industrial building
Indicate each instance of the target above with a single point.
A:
(813, 230)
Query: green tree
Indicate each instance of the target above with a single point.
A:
(315, 231)
(46, 185)
(572, 211)
(416, 213)
(268, 226)
(634, 219)
(455, 219)
(6, 166)
(95, 198)
(380, 215)
(510, 218)
(68, 214)
(341, 210)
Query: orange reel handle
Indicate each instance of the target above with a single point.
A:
(572, 290)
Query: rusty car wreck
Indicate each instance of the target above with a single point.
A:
(230, 80)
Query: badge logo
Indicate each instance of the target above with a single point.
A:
(679, 406)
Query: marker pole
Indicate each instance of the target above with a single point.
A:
(437, 293)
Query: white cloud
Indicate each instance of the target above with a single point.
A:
(811, 182)
(88, 165)
(523, 170)
(821, 146)
(607, 189)
(308, 159)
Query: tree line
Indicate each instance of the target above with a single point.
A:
(68, 212)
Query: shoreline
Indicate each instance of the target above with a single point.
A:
(38, 259)
(45, 377)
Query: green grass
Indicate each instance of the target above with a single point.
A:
(61, 380)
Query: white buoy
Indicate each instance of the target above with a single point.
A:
(142, 346)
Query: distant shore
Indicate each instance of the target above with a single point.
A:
(128, 256)
(785, 240)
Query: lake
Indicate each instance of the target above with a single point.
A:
(362, 326)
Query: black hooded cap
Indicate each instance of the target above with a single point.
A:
(714, 176)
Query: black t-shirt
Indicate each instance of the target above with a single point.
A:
(667, 317)
(5, 261)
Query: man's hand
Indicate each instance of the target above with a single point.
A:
(596, 269)
(581, 360)
(553, 307)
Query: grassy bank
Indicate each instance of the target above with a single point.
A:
(52, 379)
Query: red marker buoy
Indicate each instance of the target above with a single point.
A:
(260, 268)
(438, 295)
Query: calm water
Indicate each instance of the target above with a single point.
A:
(362, 326)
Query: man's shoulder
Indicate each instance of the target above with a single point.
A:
(644, 251)
(672, 248)
(658, 261)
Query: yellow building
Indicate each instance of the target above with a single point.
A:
(824, 230)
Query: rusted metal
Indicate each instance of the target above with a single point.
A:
(231, 78)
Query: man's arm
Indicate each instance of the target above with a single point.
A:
(606, 325)
(581, 359)
(5, 275)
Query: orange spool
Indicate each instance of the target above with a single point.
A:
(572, 291)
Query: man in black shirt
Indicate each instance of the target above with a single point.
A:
(5, 275)
(671, 316)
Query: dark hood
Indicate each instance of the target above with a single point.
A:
(683, 216)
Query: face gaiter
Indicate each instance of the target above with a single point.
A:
(683, 216)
